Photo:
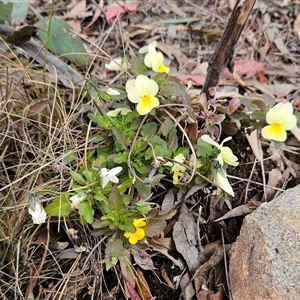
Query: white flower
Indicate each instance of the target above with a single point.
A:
(222, 182)
(76, 199)
(109, 175)
(145, 49)
(113, 92)
(37, 211)
(226, 154)
(117, 64)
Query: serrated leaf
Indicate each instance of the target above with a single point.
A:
(59, 207)
(62, 40)
(86, 211)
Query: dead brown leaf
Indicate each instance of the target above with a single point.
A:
(36, 108)
(184, 235)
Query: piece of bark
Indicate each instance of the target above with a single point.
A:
(223, 55)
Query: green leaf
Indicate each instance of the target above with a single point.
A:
(161, 150)
(139, 146)
(101, 121)
(172, 88)
(125, 185)
(62, 41)
(121, 138)
(167, 126)
(258, 115)
(268, 101)
(5, 11)
(97, 92)
(160, 78)
(59, 207)
(113, 252)
(86, 211)
(149, 129)
(90, 176)
(19, 12)
(142, 188)
(116, 201)
(78, 178)
(203, 148)
(173, 140)
(138, 67)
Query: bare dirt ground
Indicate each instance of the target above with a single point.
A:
(46, 261)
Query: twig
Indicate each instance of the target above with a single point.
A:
(223, 55)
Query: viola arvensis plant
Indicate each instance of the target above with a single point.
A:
(226, 154)
(155, 60)
(177, 169)
(280, 119)
(139, 234)
(142, 91)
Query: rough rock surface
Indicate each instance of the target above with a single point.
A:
(265, 259)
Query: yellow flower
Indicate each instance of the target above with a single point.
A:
(155, 60)
(139, 233)
(226, 154)
(222, 182)
(177, 169)
(281, 118)
(142, 91)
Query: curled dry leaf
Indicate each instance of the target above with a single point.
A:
(241, 210)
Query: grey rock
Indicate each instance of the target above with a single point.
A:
(265, 259)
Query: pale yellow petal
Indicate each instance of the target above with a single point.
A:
(289, 122)
(274, 132)
(206, 138)
(140, 82)
(146, 104)
(228, 157)
(150, 88)
(223, 183)
(134, 95)
(273, 115)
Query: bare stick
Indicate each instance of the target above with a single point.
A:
(223, 55)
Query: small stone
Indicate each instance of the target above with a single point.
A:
(265, 259)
